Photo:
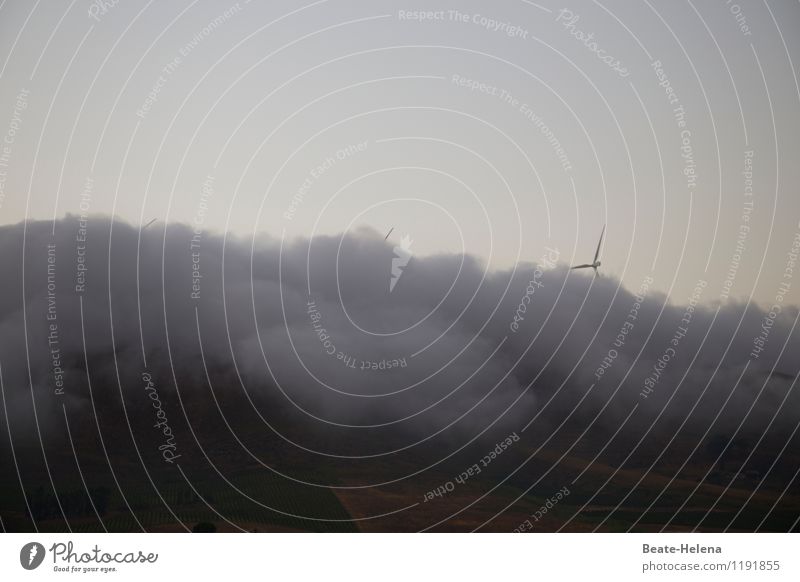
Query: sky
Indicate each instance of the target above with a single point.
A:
(496, 129)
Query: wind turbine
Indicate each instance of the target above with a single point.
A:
(596, 263)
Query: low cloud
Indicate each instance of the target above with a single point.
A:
(307, 334)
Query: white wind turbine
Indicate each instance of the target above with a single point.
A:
(596, 263)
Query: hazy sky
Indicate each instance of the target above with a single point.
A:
(496, 128)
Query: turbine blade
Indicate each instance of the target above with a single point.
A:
(600, 242)
(582, 267)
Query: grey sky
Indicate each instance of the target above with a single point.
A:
(264, 93)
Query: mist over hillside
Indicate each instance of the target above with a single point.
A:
(310, 328)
